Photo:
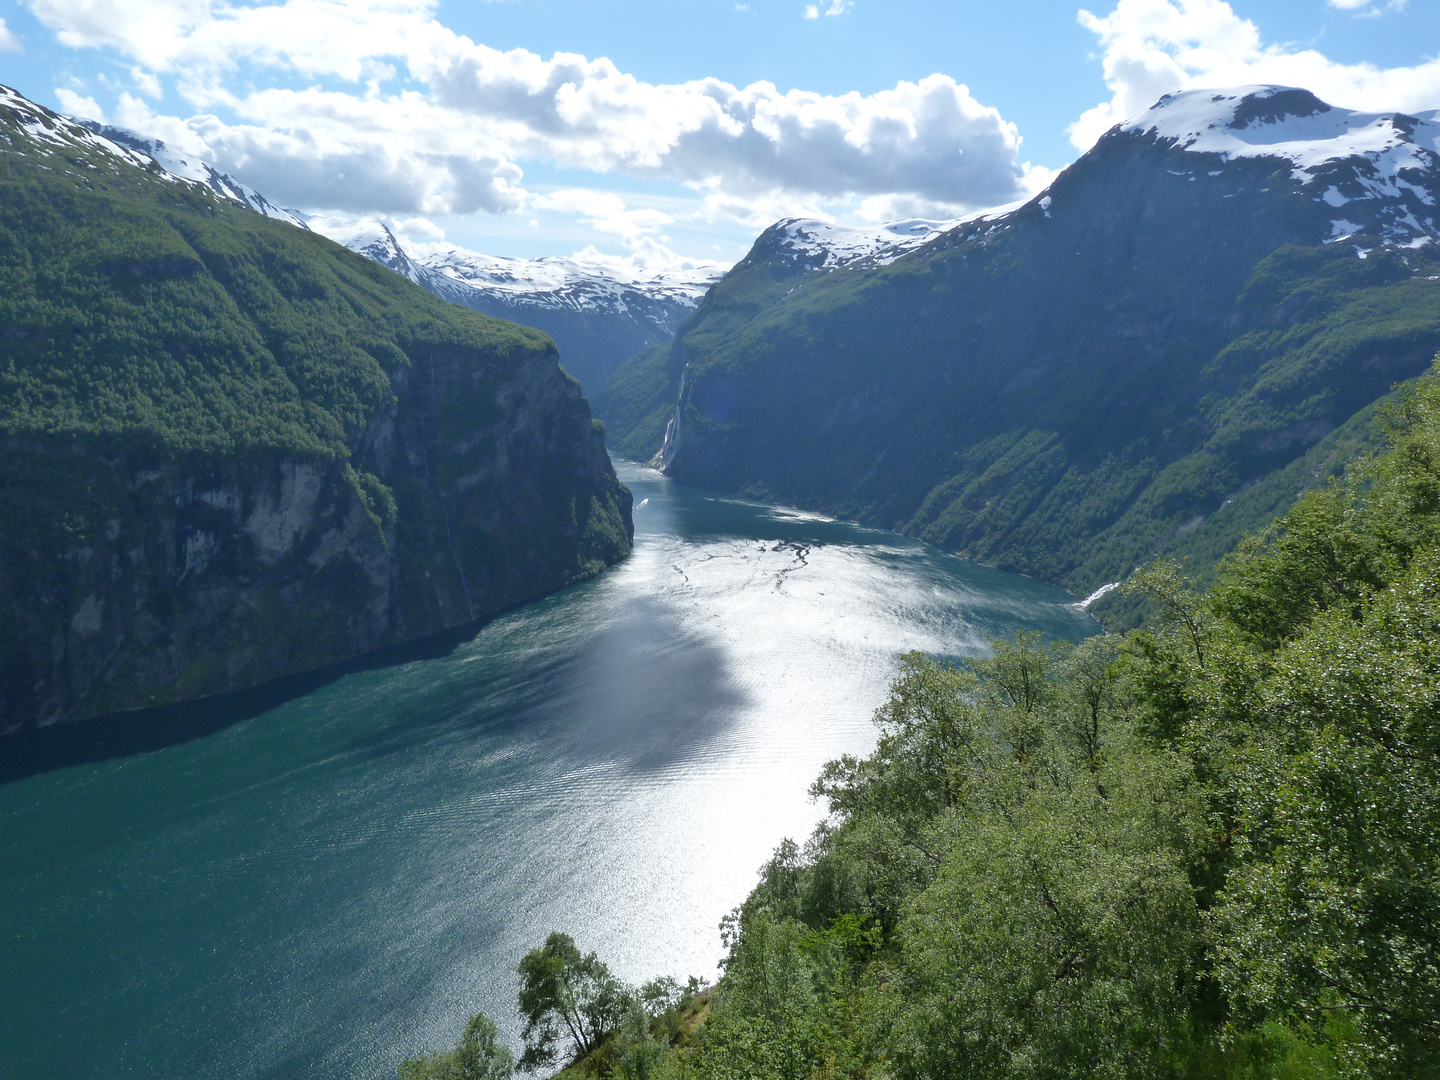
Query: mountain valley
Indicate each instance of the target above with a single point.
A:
(1190, 326)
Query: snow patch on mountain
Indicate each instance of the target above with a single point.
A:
(59, 132)
(831, 246)
(585, 282)
(1389, 160)
(185, 167)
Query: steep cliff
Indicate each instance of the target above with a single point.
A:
(1188, 328)
(231, 450)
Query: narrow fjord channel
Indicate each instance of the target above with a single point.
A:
(337, 883)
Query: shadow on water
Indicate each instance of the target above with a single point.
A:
(35, 750)
(643, 691)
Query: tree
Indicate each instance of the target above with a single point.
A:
(1334, 906)
(769, 1018)
(480, 1056)
(567, 998)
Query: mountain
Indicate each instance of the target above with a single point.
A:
(641, 401)
(600, 310)
(188, 167)
(1190, 326)
(813, 244)
(232, 450)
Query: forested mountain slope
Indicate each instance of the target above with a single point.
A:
(599, 309)
(1187, 329)
(231, 449)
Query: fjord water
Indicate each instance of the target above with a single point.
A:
(321, 890)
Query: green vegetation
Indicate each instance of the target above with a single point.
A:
(193, 400)
(1208, 849)
(574, 1007)
(152, 315)
(480, 1056)
(1160, 362)
(564, 995)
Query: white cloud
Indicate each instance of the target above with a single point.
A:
(648, 254)
(343, 152)
(418, 228)
(77, 105)
(1153, 47)
(8, 41)
(930, 138)
(146, 82)
(1365, 8)
(202, 38)
(605, 212)
(811, 11)
(452, 146)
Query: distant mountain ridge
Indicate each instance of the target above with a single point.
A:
(825, 245)
(600, 310)
(1189, 326)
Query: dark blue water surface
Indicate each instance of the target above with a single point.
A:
(338, 882)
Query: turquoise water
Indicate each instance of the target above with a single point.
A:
(337, 883)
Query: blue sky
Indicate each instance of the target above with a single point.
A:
(674, 129)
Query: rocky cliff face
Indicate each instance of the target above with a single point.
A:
(231, 450)
(213, 575)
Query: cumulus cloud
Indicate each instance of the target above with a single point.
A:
(1154, 47)
(1366, 8)
(931, 138)
(605, 212)
(8, 41)
(452, 145)
(202, 38)
(87, 108)
(342, 152)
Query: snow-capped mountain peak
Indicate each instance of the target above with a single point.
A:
(600, 309)
(370, 238)
(588, 281)
(588, 272)
(829, 246)
(1384, 168)
(188, 167)
(1286, 122)
(53, 132)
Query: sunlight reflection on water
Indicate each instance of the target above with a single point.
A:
(339, 882)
